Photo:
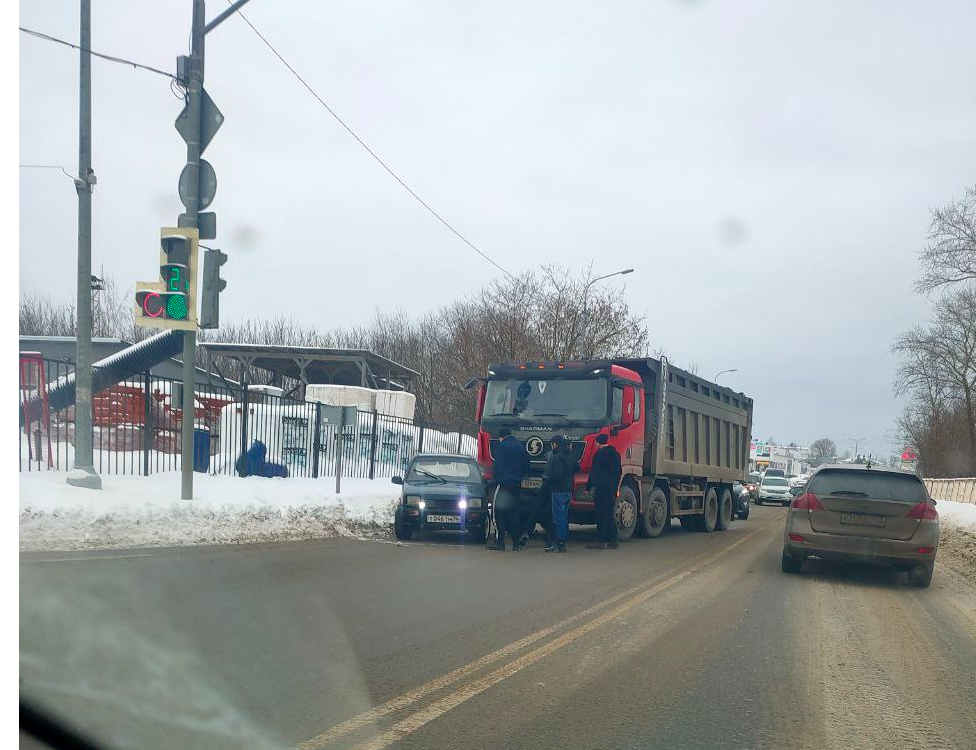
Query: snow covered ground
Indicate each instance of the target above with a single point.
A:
(133, 511)
(957, 545)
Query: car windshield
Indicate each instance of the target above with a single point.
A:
(900, 488)
(527, 399)
(450, 469)
(775, 482)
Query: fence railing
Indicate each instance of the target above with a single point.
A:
(958, 490)
(137, 430)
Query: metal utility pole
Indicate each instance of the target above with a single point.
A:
(855, 440)
(191, 201)
(198, 123)
(584, 353)
(84, 474)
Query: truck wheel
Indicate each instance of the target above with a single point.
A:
(625, 513)
(401, 529)
(724, 511)
(479, 534)
(709, 518)
(654, 517)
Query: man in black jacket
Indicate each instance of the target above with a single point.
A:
(560, 469)
(604, 480)
(511, 463)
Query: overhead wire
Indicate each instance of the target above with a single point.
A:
(102, 55)
(372, 153)
(48, 166)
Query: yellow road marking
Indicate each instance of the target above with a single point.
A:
(466, 692)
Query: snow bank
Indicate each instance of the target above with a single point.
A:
(957, 542)
(133, 511)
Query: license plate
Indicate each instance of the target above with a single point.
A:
(443, 519)
(533, 483)
(858, 519)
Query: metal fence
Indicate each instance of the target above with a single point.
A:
(137, 430)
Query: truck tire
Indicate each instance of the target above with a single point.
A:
(401, 529)
(625, 512)
(479, 534)
(709, 517)
(654, 516)
(724, 510)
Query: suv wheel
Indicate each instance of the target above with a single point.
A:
(920, 576)
(790, 564)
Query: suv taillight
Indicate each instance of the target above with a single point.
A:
(923, 512)
(807, 501)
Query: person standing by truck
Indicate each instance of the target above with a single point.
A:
(604, 480)
(510, 465)
(560, 469)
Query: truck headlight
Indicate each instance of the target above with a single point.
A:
(414, 501)
(474, 502)
(462, 504)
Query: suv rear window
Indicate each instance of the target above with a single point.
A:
(901, 488)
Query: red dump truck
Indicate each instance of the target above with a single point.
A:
(682, 439)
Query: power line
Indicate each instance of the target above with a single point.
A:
(47, 166)
(372, 153)
(110, 58)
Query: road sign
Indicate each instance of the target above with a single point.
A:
(211, 119)
(208, 183)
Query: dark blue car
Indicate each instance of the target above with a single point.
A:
(442, 492)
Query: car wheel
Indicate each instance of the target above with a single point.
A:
(401, 529)
(654, 517)
(920, 576)
(709, 517)
(744, 514)
(724, 511)
(625, 513)
(790, 564)
(758, 501)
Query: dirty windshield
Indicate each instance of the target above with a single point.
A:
(441, 375)
(528, 399)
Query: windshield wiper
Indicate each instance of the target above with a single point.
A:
(850, 493)
(550, 414)
(431, 475)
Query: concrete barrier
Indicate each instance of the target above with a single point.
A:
(958, 490)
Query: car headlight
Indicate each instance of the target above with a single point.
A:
(462, 504)
(414, 501)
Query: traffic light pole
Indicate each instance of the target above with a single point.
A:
(191, 219)
(84, 474)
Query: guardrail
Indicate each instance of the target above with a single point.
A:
(957, 490)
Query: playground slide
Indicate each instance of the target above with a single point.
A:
(127, 363)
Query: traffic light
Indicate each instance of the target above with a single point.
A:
(171, 303)
(211, 287)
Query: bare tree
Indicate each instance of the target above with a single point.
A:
(950, 255)
(822, 449)
(938, 374)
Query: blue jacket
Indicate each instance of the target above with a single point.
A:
(511, 463)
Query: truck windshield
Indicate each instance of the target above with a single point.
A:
(531, 398)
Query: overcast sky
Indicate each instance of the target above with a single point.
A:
(766, 167)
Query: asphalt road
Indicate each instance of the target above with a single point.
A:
(686, 641)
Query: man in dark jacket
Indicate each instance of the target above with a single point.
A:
(560, 469)
(604, 480)
(511, 463)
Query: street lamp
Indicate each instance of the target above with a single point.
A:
(855, 441)
(722, 372)
(586, 291)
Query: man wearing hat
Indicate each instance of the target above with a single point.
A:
(604, 480)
